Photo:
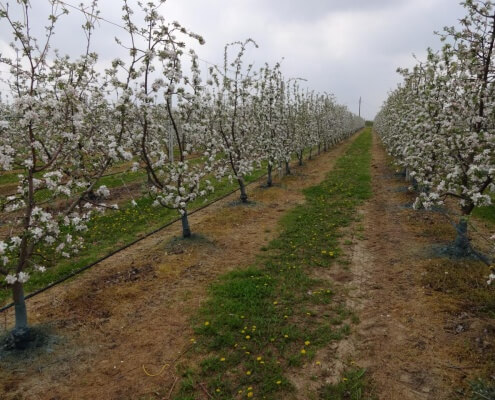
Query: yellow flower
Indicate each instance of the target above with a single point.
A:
(248, 337)
(218, 390)
(207, 323)
(222, 359)
(259, 358)
(275, 302)
(318, 363)
(250, 394)
(248, 372)
(303, 351)
(345, 379)
(286, 336)
(307, 343)
(279, 382)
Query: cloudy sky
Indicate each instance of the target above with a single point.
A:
(351, 48)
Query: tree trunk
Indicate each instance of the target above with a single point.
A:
(310, 153)
(269, 181)
(462, 245)
(300, 157)
(287, 168)
(242, 186)
(186, 231)
(21, 333)
(319, 148)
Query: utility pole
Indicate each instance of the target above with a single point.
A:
(359, 106)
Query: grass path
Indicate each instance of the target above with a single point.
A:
(263, 321)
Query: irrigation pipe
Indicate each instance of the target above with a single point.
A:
(147, 235)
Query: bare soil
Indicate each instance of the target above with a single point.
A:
(415, 342)
(129, 317)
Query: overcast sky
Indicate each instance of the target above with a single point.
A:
(350, 48)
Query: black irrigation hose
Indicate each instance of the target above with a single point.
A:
(80, 270)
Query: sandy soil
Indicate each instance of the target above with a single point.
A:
(416, 343)
(134, 309)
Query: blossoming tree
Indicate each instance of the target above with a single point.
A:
(53, 137)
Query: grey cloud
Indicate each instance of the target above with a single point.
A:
(350, 48)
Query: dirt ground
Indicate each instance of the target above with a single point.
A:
(133, 310)
(416, 343)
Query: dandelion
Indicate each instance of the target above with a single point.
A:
(303, 351)
(279, 382)
(307, 343)
(318, 363)
(207, 323)
(248, 373)
(222, 359)
(250, 394)
(248, 337)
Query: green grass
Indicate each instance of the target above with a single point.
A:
(262, 320)
(352, 386)
(485, 213)
(482, 390)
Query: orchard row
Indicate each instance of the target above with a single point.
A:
(439, 124)
(66, 122)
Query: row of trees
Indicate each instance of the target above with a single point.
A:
(65, 124)
(439, 123)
